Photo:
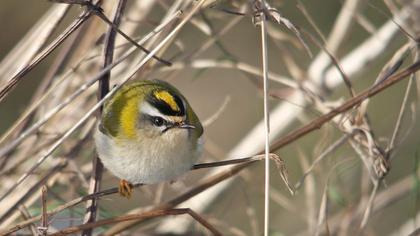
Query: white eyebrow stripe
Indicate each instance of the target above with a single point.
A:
(149, 110)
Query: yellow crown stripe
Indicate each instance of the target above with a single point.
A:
(168, 98)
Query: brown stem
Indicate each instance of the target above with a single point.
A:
(103, 89)
(291, 137)
(43, 54)
(44, 219)
(350, 103)
(227, 162)
(141, 216)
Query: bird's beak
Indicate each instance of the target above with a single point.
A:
(186, 126)
(180, 126)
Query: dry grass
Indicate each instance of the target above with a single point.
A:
(351, 156)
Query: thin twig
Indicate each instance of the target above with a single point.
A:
(369, 205)
(115, 27)
(92, 110)
(200, 187)
(43, 54)
(40, 94)
(323, 208)
(336, 37)
(61, 208)
(9, 147)
(54, 147)
(44, 217)
(98, 11)
(261, 20)
(33, 188)
(400, 27)
(26, 216)
(317, 123)
(103, 89)
(309, 192)
(277, 160)
(401, 113)
(353, 62)
(311, 21)
(385, 198)
(141, 216)
(290, 138)
(217, 114)
(36, 38)
(325, 153)
(242, 66)
(227, 162)
(74, 151)
(345, 78)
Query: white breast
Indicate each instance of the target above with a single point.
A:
(157, 160)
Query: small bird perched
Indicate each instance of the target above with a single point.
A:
(148, 133)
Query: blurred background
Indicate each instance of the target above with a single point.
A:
(217, 65)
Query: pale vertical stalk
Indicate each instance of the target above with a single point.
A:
(91, 111)
(266, 122)
(355, 61)
(57, 144)
(27, 48)
(92, 206)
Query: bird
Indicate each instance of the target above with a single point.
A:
(148, 133)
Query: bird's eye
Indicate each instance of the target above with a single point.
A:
(158, 121)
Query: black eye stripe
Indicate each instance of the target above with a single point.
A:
(154, 120)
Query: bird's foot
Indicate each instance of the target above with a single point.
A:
(125, 188)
